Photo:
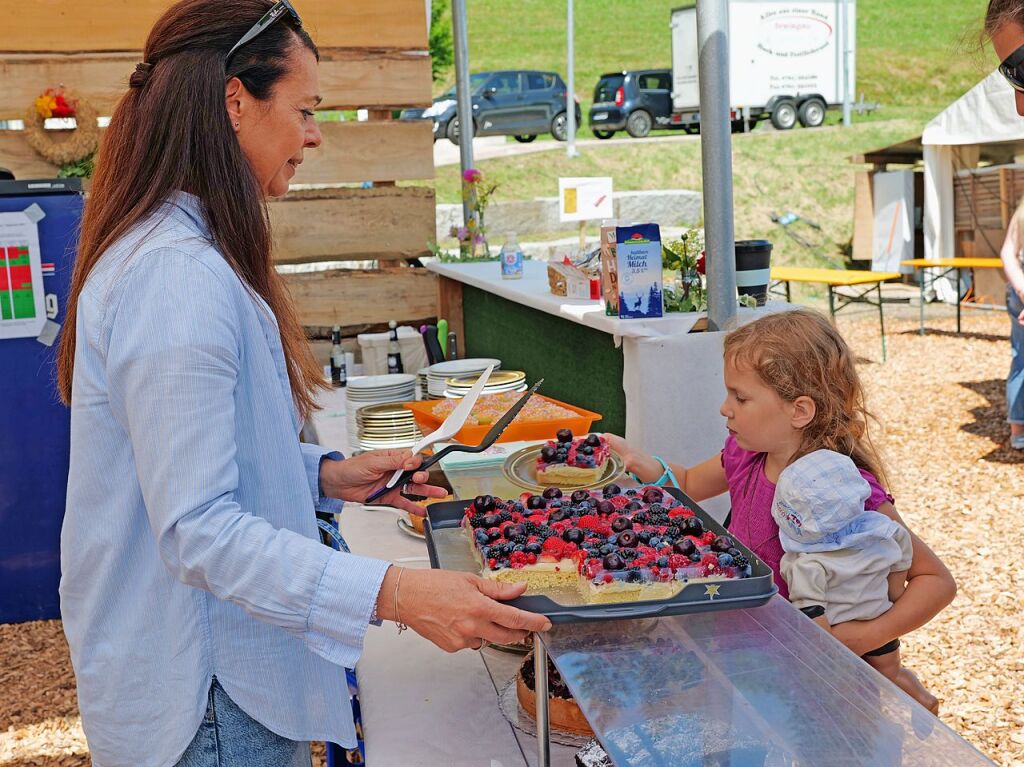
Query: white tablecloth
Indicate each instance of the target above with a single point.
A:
(420, 705)
(532, 290)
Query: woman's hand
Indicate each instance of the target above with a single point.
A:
(355, 479)
(456, 610)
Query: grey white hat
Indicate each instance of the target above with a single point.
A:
(818, 495)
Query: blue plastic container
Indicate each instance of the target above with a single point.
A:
(34, 424)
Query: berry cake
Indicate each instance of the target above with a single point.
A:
(608, 545)
(568, 461)
(563, 711)
(612, 674)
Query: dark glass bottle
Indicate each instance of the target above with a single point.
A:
(394, 351)
(339, 376)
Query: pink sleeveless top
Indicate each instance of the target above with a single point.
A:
(752, 494)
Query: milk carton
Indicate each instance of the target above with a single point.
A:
(638, 262)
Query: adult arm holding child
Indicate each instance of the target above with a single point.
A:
(930, 587)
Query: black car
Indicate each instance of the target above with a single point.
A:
(520, 103)
(635, 101)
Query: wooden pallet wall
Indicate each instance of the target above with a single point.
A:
(986, 198)
(373, 56)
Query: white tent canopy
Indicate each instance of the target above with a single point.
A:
(952, 141)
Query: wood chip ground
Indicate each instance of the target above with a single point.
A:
(941, 401)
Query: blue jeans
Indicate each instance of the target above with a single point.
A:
(229, 737)
(1015, 381)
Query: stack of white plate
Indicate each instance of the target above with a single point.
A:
(500, 381)
(374, 390)
(439, 373)
(386, 426)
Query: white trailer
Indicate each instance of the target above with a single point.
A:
(785, 61)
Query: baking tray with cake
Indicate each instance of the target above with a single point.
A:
(601, 554)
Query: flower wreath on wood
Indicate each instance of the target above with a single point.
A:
(61, 147)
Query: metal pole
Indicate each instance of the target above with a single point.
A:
(716, 159)
(570, 99)
(845, 42)
(540, 688)
(464, 99)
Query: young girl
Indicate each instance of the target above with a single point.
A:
(792, 388)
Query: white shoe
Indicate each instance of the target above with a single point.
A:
(1017, 441)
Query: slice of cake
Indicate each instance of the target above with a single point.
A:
(416, 521)
(605, 545)
(568, 461)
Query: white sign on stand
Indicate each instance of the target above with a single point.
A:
(585, 199)
(893, 240)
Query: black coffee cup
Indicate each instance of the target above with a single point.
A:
(753, 269)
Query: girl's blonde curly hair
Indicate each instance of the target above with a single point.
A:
(800, 353)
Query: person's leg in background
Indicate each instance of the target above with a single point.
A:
(1015, 380)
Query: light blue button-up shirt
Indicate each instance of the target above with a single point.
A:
(190, 547)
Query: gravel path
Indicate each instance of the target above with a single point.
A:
(940, 400)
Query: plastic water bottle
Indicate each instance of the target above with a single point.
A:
(511, 258)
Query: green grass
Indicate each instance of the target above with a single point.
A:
(804, 171)
(920, 52)
(910, 52)
(914, 57)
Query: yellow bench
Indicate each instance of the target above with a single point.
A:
(944, 267)
(833, 278)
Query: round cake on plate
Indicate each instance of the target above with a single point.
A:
(563, 711)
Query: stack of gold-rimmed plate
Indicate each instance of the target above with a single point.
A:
(422, 384)
(439, 373)
(384, 426)
(363, 391)
(500, 381)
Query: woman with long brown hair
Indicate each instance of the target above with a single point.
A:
(206, 622)
(1004, 23)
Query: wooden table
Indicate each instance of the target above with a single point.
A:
(833, 278)
(944, 266)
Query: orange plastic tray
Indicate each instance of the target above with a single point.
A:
(517, 430)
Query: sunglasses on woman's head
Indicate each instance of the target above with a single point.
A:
(1012, 69)
(277, 10)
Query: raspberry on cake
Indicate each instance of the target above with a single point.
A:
(605, 545)
(568, 461)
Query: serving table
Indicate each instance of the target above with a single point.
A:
(747, 688)
(658, 382)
